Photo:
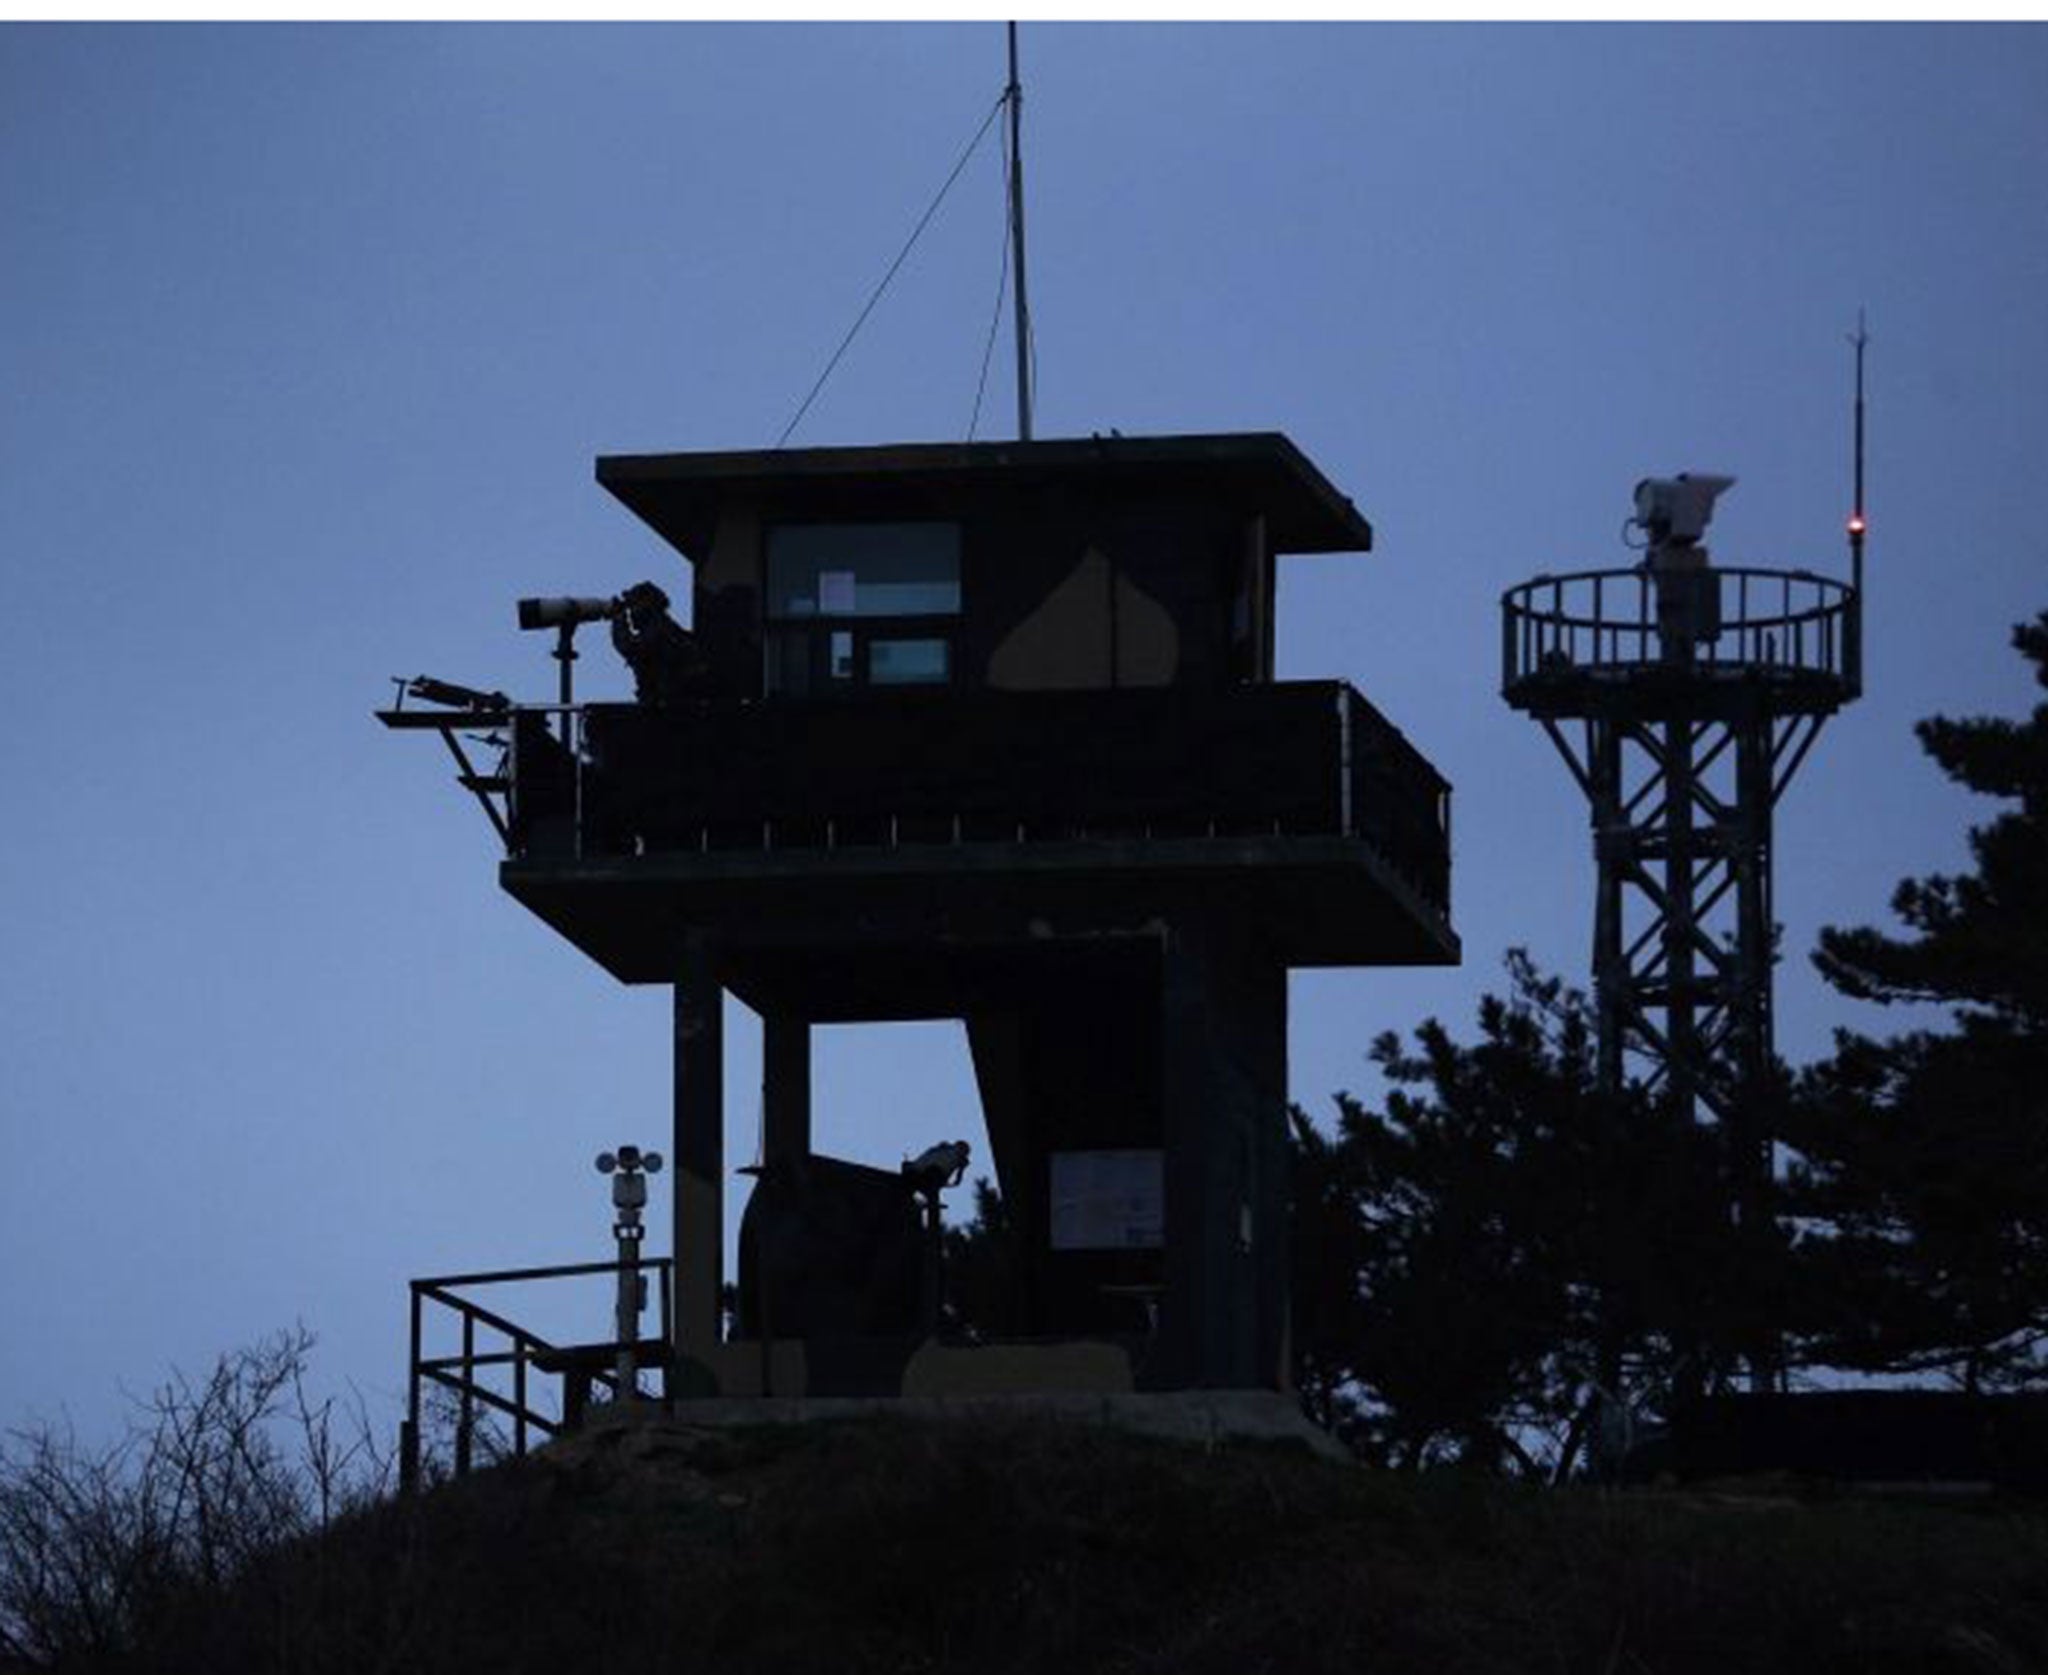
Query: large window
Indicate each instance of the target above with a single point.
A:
(853, 605)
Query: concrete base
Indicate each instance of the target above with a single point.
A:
(1205, 1417)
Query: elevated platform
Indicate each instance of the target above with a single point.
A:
(1602, 642)
(917, 929)
(924, 838)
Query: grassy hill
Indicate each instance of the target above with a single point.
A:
(1012, 1545)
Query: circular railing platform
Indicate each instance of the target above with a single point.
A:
(1595, 637)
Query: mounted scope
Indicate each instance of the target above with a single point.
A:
(564, 613)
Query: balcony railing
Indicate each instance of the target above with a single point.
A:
(1788, 626)
(955, 768)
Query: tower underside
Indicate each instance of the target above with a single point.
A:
(1681, 810)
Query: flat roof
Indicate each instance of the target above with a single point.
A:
(1261, 472)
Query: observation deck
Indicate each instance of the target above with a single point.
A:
(1296, 804)
(1698, 642)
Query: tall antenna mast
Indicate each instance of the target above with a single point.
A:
(1853, 625)
(1015, 94)
(1857, 524)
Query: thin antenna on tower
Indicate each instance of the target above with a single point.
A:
(1852, 625)
(1014, 93)
(1857, 522)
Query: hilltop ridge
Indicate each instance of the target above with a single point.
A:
(993, 1544)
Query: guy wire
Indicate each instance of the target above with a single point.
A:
(923, 221)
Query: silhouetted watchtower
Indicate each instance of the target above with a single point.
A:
(986, 732)
(1683, 697)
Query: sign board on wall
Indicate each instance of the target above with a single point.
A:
(1108, 1200)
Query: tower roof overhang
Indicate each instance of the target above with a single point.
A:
(1256, 474)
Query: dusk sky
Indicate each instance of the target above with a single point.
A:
(309, 337)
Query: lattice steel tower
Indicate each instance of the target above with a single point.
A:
(1683, 697)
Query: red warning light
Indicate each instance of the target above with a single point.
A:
(1856, 523)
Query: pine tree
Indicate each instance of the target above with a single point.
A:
(1502, 1246)
(1926, 1155)
(1981, 941)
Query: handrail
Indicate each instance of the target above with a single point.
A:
(551, 795)
(1785, 624)
(460, 1372)
(514, 1276)
(1299, 758)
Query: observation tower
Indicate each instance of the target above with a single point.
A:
(990, 732)
(979, 731)
(1683, 696)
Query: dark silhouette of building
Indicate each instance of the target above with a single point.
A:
(986, 732)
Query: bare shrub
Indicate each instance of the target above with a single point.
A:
(100, 1546)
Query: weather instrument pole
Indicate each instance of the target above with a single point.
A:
(629, 1168)
(1014, 93)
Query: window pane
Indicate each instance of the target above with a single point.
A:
(863, 569)
(908, 662)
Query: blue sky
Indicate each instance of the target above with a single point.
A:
(309, 336)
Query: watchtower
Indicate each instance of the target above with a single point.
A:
(986, 732)
(1697, 691)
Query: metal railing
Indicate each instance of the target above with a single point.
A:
(472, 1374)
(1299, 759)
(1783, 623)
(1391, 796)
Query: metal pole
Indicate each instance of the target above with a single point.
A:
(1613, 854)
(1858, 525)
(466, 1414)
(565, 655)
(628, 1168)
(1015, 94)
(1680, 899)
(519, 1395)
(409, 1439)
(628, 1315)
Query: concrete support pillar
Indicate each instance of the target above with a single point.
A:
(1272, 1181)
(1224, 1094)
(785, 1089)
(699, 1147)
(1018, 1147)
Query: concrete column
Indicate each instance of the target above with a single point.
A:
(699, 1147)
(1223, 1072)
(1196, 1320)
(785, 1088)
(1273, 1176)
(1186, 1334)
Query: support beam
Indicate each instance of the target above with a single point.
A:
(785, 1089)
(699, 1148)
(1614, 854)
